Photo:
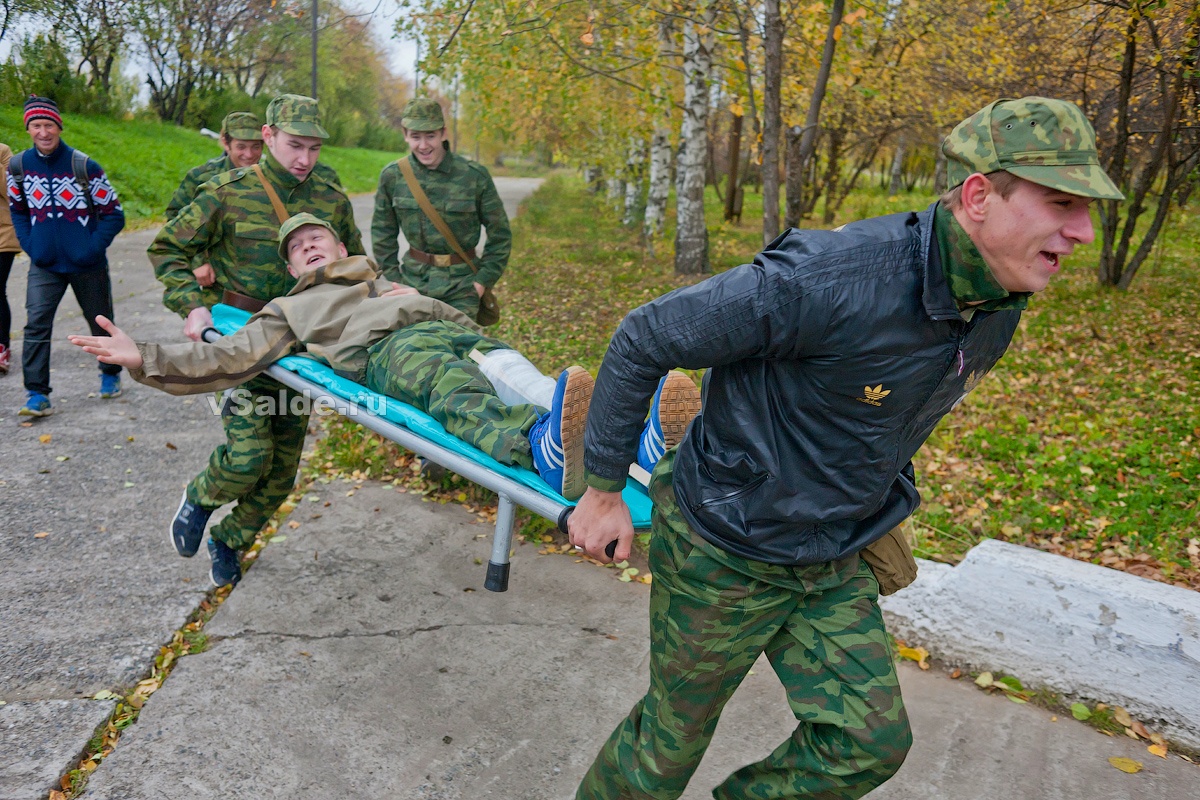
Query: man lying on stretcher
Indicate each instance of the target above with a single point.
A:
(398, 343)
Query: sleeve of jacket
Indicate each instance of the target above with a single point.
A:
(196, 367)
(111, 217)
(18, 208)
(347, 229)
(755, 311)
(183, 195)
(385, 227)
(499, 234)
(177, 245)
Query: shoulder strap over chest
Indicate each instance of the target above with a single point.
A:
(422, 199)
(280, 209)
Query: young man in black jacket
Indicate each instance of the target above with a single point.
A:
(831, 358)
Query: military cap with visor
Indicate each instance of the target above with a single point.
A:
(1045, 141)
(294, 223)
(423, 114)
(242, 125)
(297, 115)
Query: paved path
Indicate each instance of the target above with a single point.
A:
(361, 656)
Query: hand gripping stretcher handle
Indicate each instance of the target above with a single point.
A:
(609, 550)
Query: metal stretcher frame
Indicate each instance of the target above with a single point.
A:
(510, 492)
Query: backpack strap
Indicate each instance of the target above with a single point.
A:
(79, 161)
(16, 169)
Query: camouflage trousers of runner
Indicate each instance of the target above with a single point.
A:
(711, 615)
(256, 466)
(453, 285)
(428, 365)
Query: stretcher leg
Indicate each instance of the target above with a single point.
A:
(497, 569)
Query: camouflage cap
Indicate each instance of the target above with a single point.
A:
(294, 223)
(297, 115)
(242, 125)
(423, 114)
(1047, 142)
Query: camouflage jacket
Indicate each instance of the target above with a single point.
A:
(232, 220)
(196, 177)
(332, 315)
(463, 193)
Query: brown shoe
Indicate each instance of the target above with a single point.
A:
(676, 404)
(557, 438)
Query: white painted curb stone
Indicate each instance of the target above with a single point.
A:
(1079, 629)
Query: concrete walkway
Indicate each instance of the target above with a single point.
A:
(361, 657)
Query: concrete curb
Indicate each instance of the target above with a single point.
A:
(1079, 629)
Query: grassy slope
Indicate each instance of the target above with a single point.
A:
(146, 160)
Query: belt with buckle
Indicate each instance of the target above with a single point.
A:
(436, 259)
(231, 298)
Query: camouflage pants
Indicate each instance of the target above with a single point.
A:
(256, 466)
(427, 365)
(453, 285)
(711, 615)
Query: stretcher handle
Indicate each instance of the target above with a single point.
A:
(610, 549)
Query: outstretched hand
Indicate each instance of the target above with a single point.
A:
(116, 348)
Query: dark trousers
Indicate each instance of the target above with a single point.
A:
(43, 292)
(6, 262)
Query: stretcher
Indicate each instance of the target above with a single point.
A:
(416, 431)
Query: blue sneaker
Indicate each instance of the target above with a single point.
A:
(187, 528)
(557, 437)
(226, 571)
(37, 405)
(676, 404)
(110, 386)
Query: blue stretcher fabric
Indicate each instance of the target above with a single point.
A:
(228, 319)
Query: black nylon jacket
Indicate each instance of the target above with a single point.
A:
(832, 357)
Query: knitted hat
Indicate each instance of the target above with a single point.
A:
(41, 108)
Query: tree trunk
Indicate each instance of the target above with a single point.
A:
(939, 172)
(635, 155)
(735, 157)
(691, 234)
(897, 179)
(615, 192)
(772, 118)
(805, 143)
(660, 183)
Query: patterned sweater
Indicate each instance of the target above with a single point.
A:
(51, 215)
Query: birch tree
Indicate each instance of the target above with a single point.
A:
(691, 233)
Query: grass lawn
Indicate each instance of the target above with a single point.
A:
(146, 160)
(1083, 441)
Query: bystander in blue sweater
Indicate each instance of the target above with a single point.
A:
(66, 229)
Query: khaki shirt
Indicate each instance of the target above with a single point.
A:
(332, 316)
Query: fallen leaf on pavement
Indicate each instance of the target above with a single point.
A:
(917, 654)
(1126, 764)
(44, 438)
(171, 446)
(984, 680)
(41, 535)
(1080, 712)
(293, 524)
(1159, 750)
(1122, 716)
(1140, 729)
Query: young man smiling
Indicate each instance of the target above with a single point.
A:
(66, 214)
(832, 357)
(234, 220)
(462, 193)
